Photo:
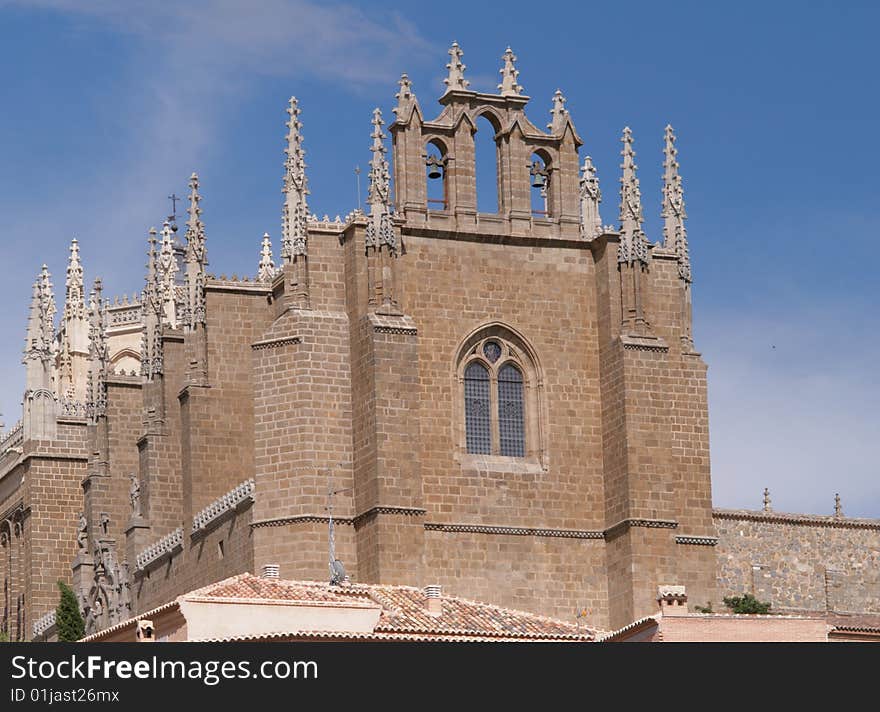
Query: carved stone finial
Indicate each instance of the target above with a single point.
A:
(509, 73)
(266, 268)
(295, 213)
(405, 97)
(591, 196)
(673, 214)
(456, 80)
(558, 113)
(633, 242)
(838, 509)
(767, 507)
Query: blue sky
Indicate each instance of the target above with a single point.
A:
(108, 107)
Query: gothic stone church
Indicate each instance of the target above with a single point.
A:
(510, 405)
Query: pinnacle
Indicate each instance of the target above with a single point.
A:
(404, 95)
(456, 79)
(509, 73)
(379, 177)
(558, 112)
(377, 134)
(266, 266)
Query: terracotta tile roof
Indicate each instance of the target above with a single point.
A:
(250, 587)
(636, 625)
(297, 635)
(404, 610)
(122, 624)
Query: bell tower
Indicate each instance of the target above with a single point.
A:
(516, 139)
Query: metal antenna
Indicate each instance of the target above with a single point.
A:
(357, 172)
(337, 571)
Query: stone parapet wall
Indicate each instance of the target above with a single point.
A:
(799, 561)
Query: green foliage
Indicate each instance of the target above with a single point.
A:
(704, 609)
(68, 619)
(746, 603)
(4, 636)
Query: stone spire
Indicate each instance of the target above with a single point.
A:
(40, 401)
(456, 80)
(74, 346)
(152, 304)
(35, 346)
(838, 508)
(633, 242)
(673, 214)
(74, 305)
(509, 73)
(96, 397)
(558, 114)
(591, 196)
(196, 249)
(266, 268)
(767, 507)
(196, 259)
(379, 229)
(33, 340)
(166, 275)
(380, 179)
(380, 239)
(295, 213)
(47, 311)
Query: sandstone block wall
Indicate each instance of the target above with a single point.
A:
(224, 550)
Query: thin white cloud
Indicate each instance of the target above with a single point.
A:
(793, 407)
(187, 67)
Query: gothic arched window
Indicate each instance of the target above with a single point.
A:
(511, 426)
(500, 395)
(476, 408)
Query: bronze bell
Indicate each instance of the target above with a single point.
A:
(537, 180)
(434, 169)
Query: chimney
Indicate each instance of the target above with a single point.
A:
(145, 632)
(673, 600)
(433, 604)
(271, 571)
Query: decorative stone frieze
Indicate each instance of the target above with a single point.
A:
(166, 546)
(229, 502)
(43, 624)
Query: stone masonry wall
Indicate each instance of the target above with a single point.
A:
(224, 550)
(218, 421)
(799, 561)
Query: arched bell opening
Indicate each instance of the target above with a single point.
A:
(436, 163)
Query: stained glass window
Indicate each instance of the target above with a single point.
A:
(511, 424)
(476, 406)
(492, 351)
